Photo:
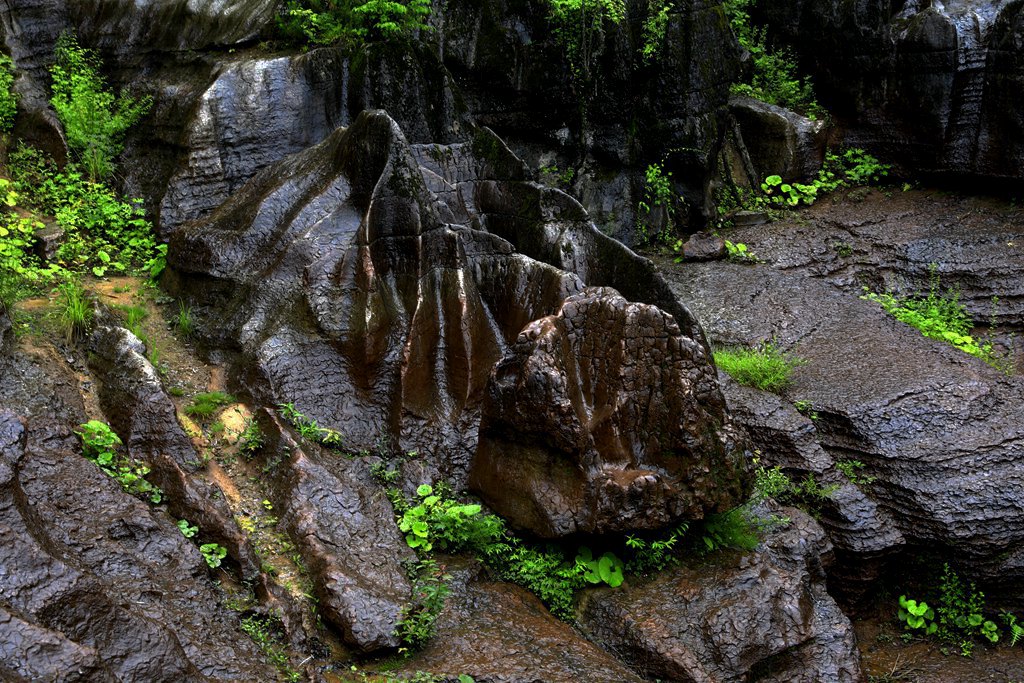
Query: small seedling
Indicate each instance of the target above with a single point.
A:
(187, 530)
(213, 553)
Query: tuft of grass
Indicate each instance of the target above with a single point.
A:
(133, 317)
(75, 309)
(205, 405)
(185, 324)
(764, 368)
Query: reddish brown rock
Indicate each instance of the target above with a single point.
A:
(604, 418)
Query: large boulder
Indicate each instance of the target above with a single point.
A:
(927, 85)
(762, 616)
(604, 418)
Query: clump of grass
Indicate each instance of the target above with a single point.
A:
(75, 310)
(185, 324)
(765, 367)
(133, 317)
(205, 405)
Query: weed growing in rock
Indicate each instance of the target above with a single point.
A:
(268, 633)
(100, 445)
(765, 367)
(605, 569)
(655, 554)
(383, 474)
(205, 405)
(309, 429)
(659, 199)
(213, 553)
(851, 470)
(251, 440)
(184, 322)
(733, 529)
(740, 253)
(75, 309)
(772, 482)
(938, 316)
(430, 588)
(449, 525)
(542, 571)
(187, 530)
(94, 120)
(8, 98)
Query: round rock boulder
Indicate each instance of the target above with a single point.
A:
(605, 418)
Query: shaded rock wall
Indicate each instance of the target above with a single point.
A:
(926, 85)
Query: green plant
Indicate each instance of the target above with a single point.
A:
(1016, 630)
(94, 120)
(732, 529)
(447, 524)
(740, 253)
(938, 316)
(542, 571)
(205, 405)
(605, 569)
(251, 439)
(916, 615)
(652, 555)
(655, 25)
(658, 194)
(578, 26)
(100, 445)
(75, 309)
(555, 177)
(187, 530)
(381, 472)
(268, 634)
(213, 553)
(184, 323)
(324, 22)
(806, 408)
(961, 610)
(415, 623)
(765, 367)
(8, 98)
(851, 470)
(309, 429)
(133, 317)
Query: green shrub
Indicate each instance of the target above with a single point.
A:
(325, 22)
(578, 27)
(415, 624)
(655, 25)
(655, 554)
(251, 439)
(938, 316)
(213, 553)
(100, 445)
(8, 98)
(542, 571)
(734, 529)
(94, 120)
(658, 194)
(447, 524)
(765, 367)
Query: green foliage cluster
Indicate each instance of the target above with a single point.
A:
(655, 554)
(773, 77)
(916, 615)
(75, 309)
(765, 367)
(268, 633)
(213, 553)
(772, 482)
(206, 404)
(251, 439)
(325, 22)
(939, 316)
(187, 530)
(447, 524)
(100, 445)
(605, 569)
(736, 529)
(544, 571)
(579, 26)
(309, 429)
(8, 98)
(415, 624)
(740, 253)
(655, 25)
(94, 120)
(658, 195)
(851, 470)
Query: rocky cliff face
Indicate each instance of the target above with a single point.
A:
(927, 85)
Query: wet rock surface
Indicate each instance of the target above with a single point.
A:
(763, 616)
(936, 427)
(344, 528)
(778, 141)
(499, 633)
(604, 418)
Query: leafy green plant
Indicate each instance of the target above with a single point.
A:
(205, 405)
(658, 195)
(100, 445)
(133, 317)
(447, 524)
(916, 615)
(309, 429)
(765, 367)
(325, 22)
(1016, 630)
(94, 120)
(772, 482)
(556, 177)
(806, 408)
(740, 253)
(8, 98)
(251, 439)
(961, 610)
(652, 555)
(655, 25)
(851, 470)
(938, 316)
(733, 529)
(415, 624)
(578, 26)
(383, 474)
(75, 309)
(213, 553)
(184, 322)
(605, 569)
(187, 530)
(542, 571)
(268, 634)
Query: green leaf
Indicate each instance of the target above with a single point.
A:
(424, 490)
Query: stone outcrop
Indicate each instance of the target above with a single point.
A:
(772, 140)
(763, 616)
(604, 418)
(930, 86)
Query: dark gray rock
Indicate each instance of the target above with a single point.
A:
(927, 85)
(143, 415)
(762, 616)
(603, 418)
(704, 246)
(936, 427)
(779, 141)
(98, 579)
(500, 633)
(344, 527)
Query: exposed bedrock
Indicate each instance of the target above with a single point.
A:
(931, 86)
(762, 616)
(603, 418)
(938, 429)
(379, 307)
(766, 139)
(344, 527)
(97, 581)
